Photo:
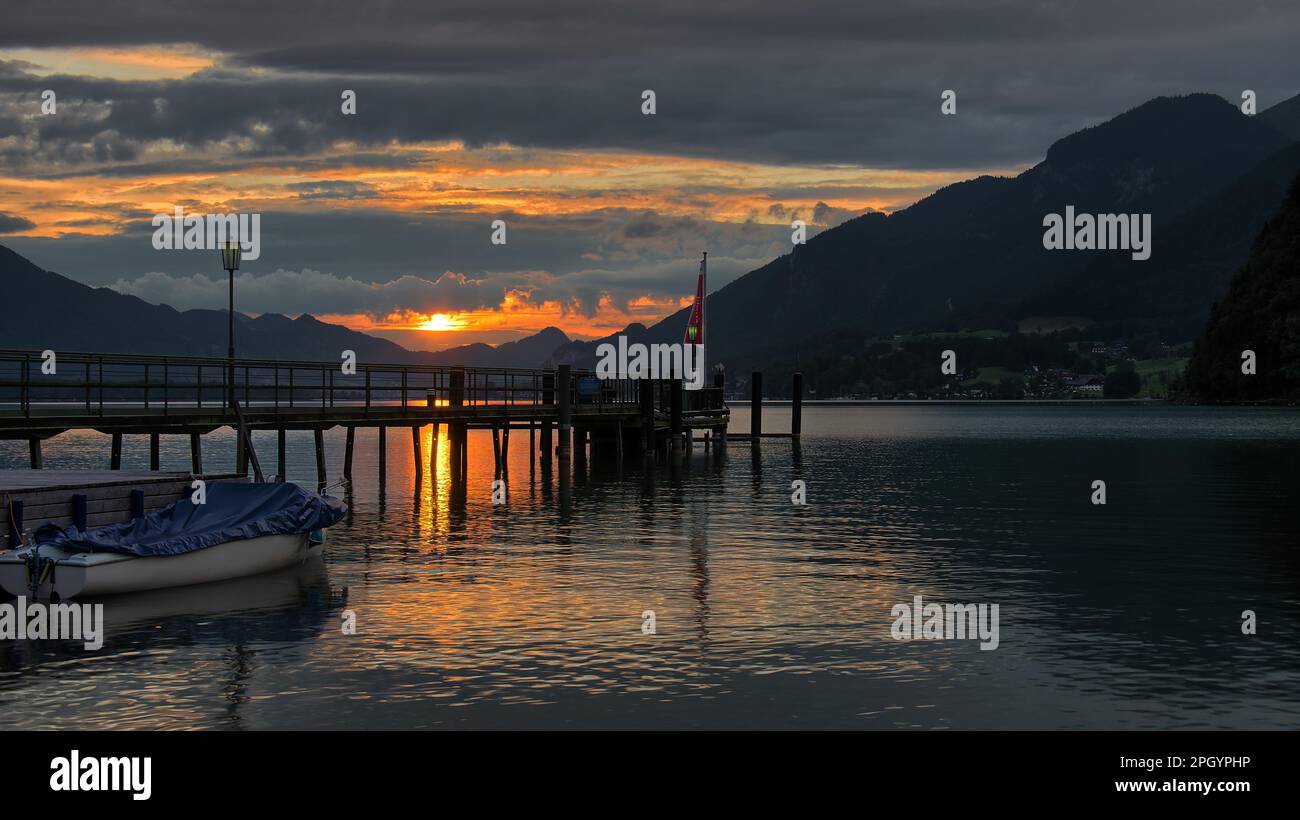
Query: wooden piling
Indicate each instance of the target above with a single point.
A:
(419, 456)
(115, 453)
(796, 406)
(319, 436)
(496, 450)
(505, 447)
(383, 455)
(241, 454)
(281, 466)
(80, 510)
(154, 448)
(347, 451)
(675, 413)
(756, 405)
(34, 451)
(564, 390)
(433, 452)
(196, 453)
(647, 395)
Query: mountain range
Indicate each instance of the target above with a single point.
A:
(971, 255)
(51, 311)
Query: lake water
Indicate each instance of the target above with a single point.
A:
(767, 614)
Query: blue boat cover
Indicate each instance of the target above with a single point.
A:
(233, 512)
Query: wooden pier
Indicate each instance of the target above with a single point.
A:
(566, 411)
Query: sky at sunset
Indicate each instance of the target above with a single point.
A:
(530, 113)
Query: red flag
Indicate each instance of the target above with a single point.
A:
(695, 325)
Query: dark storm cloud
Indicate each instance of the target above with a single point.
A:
(843, 82)
(11, 223)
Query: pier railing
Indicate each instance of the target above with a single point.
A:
(107, 384)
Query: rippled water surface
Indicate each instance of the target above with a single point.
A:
(767, 614)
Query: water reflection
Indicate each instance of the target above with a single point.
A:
(767, 614)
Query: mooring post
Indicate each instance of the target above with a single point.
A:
(34, 451)
(419, 456)
(350, 441)
(281, 466)
(196, 453)
(383, 455)
(564, 387)
(115, 453)
(796, 408)
(675, 413)
(496, 450)
(319, 435)
(618, 435)
(79, 511)
(756, 405)
(154, 456)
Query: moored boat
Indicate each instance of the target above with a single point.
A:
(240, 529)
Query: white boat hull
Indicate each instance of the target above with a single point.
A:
(107, 573)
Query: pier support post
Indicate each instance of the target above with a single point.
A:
(281, 467)
(796, 407)
(347, 451)
(319, 436)
(544, 448)
(647, 388)
(115, 453)
(496, 451)
(505, 449)
(79, 511)
(196, 453)
(34, 451)
(419, 457)
(433, 451)
(756, 405)
(383, 455)
(675, 414)
(564, 391)
(154, 448)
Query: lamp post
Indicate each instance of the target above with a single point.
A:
(230, 261)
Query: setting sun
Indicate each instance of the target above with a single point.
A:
(442, 321)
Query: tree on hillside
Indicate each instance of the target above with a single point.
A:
(1261, 314)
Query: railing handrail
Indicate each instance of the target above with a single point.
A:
(152, 358)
